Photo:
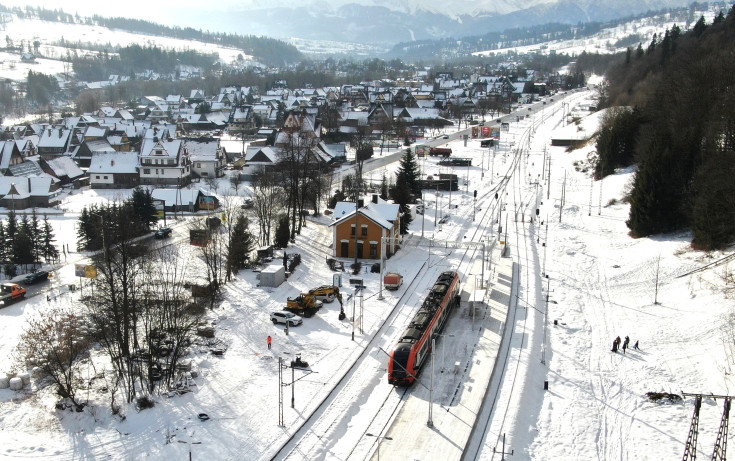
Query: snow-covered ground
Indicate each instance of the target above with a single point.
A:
(602, 285)
(51, 34)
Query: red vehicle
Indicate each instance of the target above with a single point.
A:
(412, 350)
(440, 151)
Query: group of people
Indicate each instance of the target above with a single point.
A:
(616, 344)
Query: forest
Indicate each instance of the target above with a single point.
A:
(674, 118)
(270, 51)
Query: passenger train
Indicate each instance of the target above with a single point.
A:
(412, 350)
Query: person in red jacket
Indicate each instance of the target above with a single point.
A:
(270, 340)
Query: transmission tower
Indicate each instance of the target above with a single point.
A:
(690, 450)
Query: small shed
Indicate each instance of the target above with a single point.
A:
(272, 276)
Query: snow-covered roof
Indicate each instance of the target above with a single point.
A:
(160, 148)
(173, 197)
(382, 213)
(202, 150)
(65, 166)
(115, 162)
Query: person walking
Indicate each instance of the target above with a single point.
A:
(625, 345)
(635, 346)
(270, 340)
(616, 344)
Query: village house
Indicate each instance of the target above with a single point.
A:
(207, 157)
(114, 170)
(164, 161)
(375, 221)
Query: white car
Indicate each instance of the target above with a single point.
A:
(283, 317)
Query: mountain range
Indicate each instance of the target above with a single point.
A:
(384, 23)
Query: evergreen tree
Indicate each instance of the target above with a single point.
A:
(34, 228)
(408, 173)
(3, 244)
(142, 202)
(384, 187)
(282, 232)
(85, 229)
(48, 248)
(242, 245)
(23, 243)
(10, 230)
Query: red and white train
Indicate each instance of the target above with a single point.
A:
(412, 350)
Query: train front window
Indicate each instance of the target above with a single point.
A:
(400, 362)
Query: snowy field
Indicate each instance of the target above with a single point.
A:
(603, 285)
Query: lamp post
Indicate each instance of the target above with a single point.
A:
(379, 437)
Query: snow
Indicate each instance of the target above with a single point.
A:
(53, 32)
(602, 285)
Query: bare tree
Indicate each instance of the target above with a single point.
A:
(268, 202)
(213, 255)
(115, 308)
(168, 319)
(54, 342)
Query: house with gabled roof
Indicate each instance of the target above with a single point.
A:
(21, 192)
(207, 157)
(10, 154)
(64, 169)
(83, 155)
(164, 161)
(54, 142)
(361, 229)
(114, 170)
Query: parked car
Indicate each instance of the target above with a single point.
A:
(247, 203)
(36, 277)
(446, 136)
(162, 233)
(283, 317)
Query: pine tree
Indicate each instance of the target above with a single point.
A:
(241, 247)
(23, 243)
(48, 249)
(408, 173)
(282, 232)
(3, 244)
(34, 231)
(142, 202)
(85, 230)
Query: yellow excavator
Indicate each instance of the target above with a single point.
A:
(305, 304)
(327, 294)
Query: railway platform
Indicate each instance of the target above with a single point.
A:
(438, 418)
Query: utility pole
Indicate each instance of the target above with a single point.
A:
(563, 191)
(546, 321)
(592, 185)
(430, 422)
(548, 180)
(280, 391)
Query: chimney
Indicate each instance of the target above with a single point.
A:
(360, 203)
(29, 184)
(60, 130)
(375, 198)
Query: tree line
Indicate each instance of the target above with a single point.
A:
(679, 128)
(26, 242)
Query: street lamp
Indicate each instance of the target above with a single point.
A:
(379, 437)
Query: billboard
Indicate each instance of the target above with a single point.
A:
(85, 271)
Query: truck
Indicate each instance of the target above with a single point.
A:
(392, 281)
(10, 292)
(304, 304)
(440, 151)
